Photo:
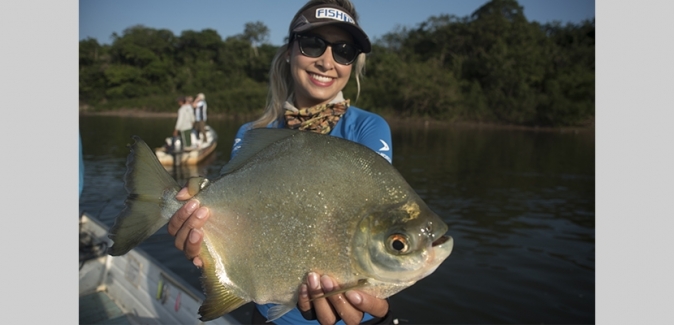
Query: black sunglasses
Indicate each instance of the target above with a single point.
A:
(314, 46)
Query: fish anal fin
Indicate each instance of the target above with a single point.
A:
(278, 310)
(360, 284)
(220, 299)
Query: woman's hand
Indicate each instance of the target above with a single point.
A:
(185, 225)
(348, 306)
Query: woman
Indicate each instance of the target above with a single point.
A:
(307, 76)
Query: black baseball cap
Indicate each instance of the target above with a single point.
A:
(329, 14)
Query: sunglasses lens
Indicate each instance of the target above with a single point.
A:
(342, 53)
(312, 46)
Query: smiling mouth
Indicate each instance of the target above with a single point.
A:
(320, 78)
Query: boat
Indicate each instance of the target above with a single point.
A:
(172, 153)
(133, 288)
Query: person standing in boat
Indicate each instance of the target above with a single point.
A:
(326, 47)
(200, 117)
(184, 123)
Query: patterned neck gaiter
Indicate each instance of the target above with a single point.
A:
(319, 118)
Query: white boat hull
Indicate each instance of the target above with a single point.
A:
(173, 153)
(143, 291)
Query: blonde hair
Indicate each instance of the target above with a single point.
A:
(280, 78)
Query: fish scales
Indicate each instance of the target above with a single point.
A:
(319, 219)
(292, 202)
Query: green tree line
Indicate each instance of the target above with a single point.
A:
(492, 66)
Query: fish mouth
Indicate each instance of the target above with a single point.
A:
(441, 240)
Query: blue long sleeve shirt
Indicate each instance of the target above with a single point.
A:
(356, 125)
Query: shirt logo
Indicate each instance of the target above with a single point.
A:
(385, 147)
(335, 14)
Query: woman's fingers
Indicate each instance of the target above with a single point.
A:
(186, 224)
(179, 217)
(342, 307)
(197, 262)
(193, 244)
(183, 194)
(368, 303)
(304, 305)
(324, 312)
(190, 235)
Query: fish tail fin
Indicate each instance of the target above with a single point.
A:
(219, 300)
(147, 183)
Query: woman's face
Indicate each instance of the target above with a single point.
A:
(319, 80)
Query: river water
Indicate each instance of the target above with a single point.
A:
(520, 206)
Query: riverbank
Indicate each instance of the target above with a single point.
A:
(394, 121)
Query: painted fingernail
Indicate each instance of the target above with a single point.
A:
(183, 191)
(353, 297)
(326, 282)
(197, 262)
(194, 236)
(201, 213)
(191, 206)
(313, 281)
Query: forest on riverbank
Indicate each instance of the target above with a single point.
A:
(493, 66)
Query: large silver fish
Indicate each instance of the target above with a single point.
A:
(289, 203)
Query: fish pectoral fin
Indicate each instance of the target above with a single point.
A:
(361, 284)
(220, 299)
(277, 311)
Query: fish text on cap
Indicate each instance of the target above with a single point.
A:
(335, 14)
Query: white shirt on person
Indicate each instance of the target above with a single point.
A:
(200, 110)
(185, 118)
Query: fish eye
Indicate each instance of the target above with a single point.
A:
(398, 243)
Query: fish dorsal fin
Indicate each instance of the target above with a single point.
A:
(219, 299)
(361, 284)
(254, 141)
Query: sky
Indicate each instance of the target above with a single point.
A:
(100, 19)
